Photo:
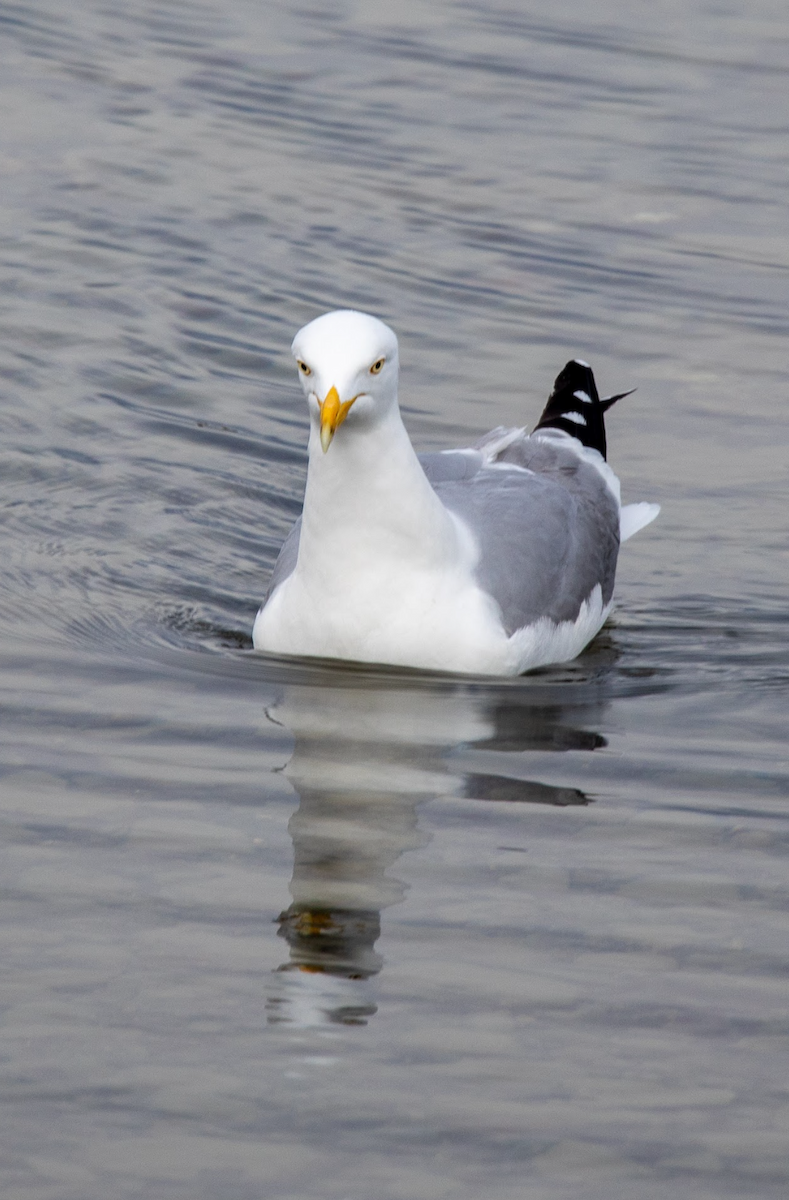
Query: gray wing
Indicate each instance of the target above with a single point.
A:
(450, 466)
(286, 561)
(546, 524)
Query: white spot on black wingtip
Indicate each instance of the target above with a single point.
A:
(575, 407)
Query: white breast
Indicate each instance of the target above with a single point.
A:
(433, 619)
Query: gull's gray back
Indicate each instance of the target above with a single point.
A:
(545, 521)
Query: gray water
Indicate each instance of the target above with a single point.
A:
(289, 930)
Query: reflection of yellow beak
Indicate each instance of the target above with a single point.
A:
(333, 413)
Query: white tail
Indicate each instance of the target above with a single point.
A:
(634, 517)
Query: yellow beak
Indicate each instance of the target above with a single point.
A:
(333, 413)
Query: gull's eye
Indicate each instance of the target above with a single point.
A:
(305, 370)
(377, 367)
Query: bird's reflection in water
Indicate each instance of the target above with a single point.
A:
(368, 750)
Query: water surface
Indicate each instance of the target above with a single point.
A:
(300, 930)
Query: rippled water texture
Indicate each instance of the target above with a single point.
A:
(289, 930)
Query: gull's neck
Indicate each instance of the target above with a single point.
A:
(368, 496)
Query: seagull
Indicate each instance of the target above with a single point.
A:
(491, 560)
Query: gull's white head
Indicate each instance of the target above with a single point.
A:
(348, 367)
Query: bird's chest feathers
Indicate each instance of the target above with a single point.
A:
(381, 599)
(377, 582)
(385, 573)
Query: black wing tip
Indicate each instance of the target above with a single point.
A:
(575, 406)
(608, 401)
(578, 375)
